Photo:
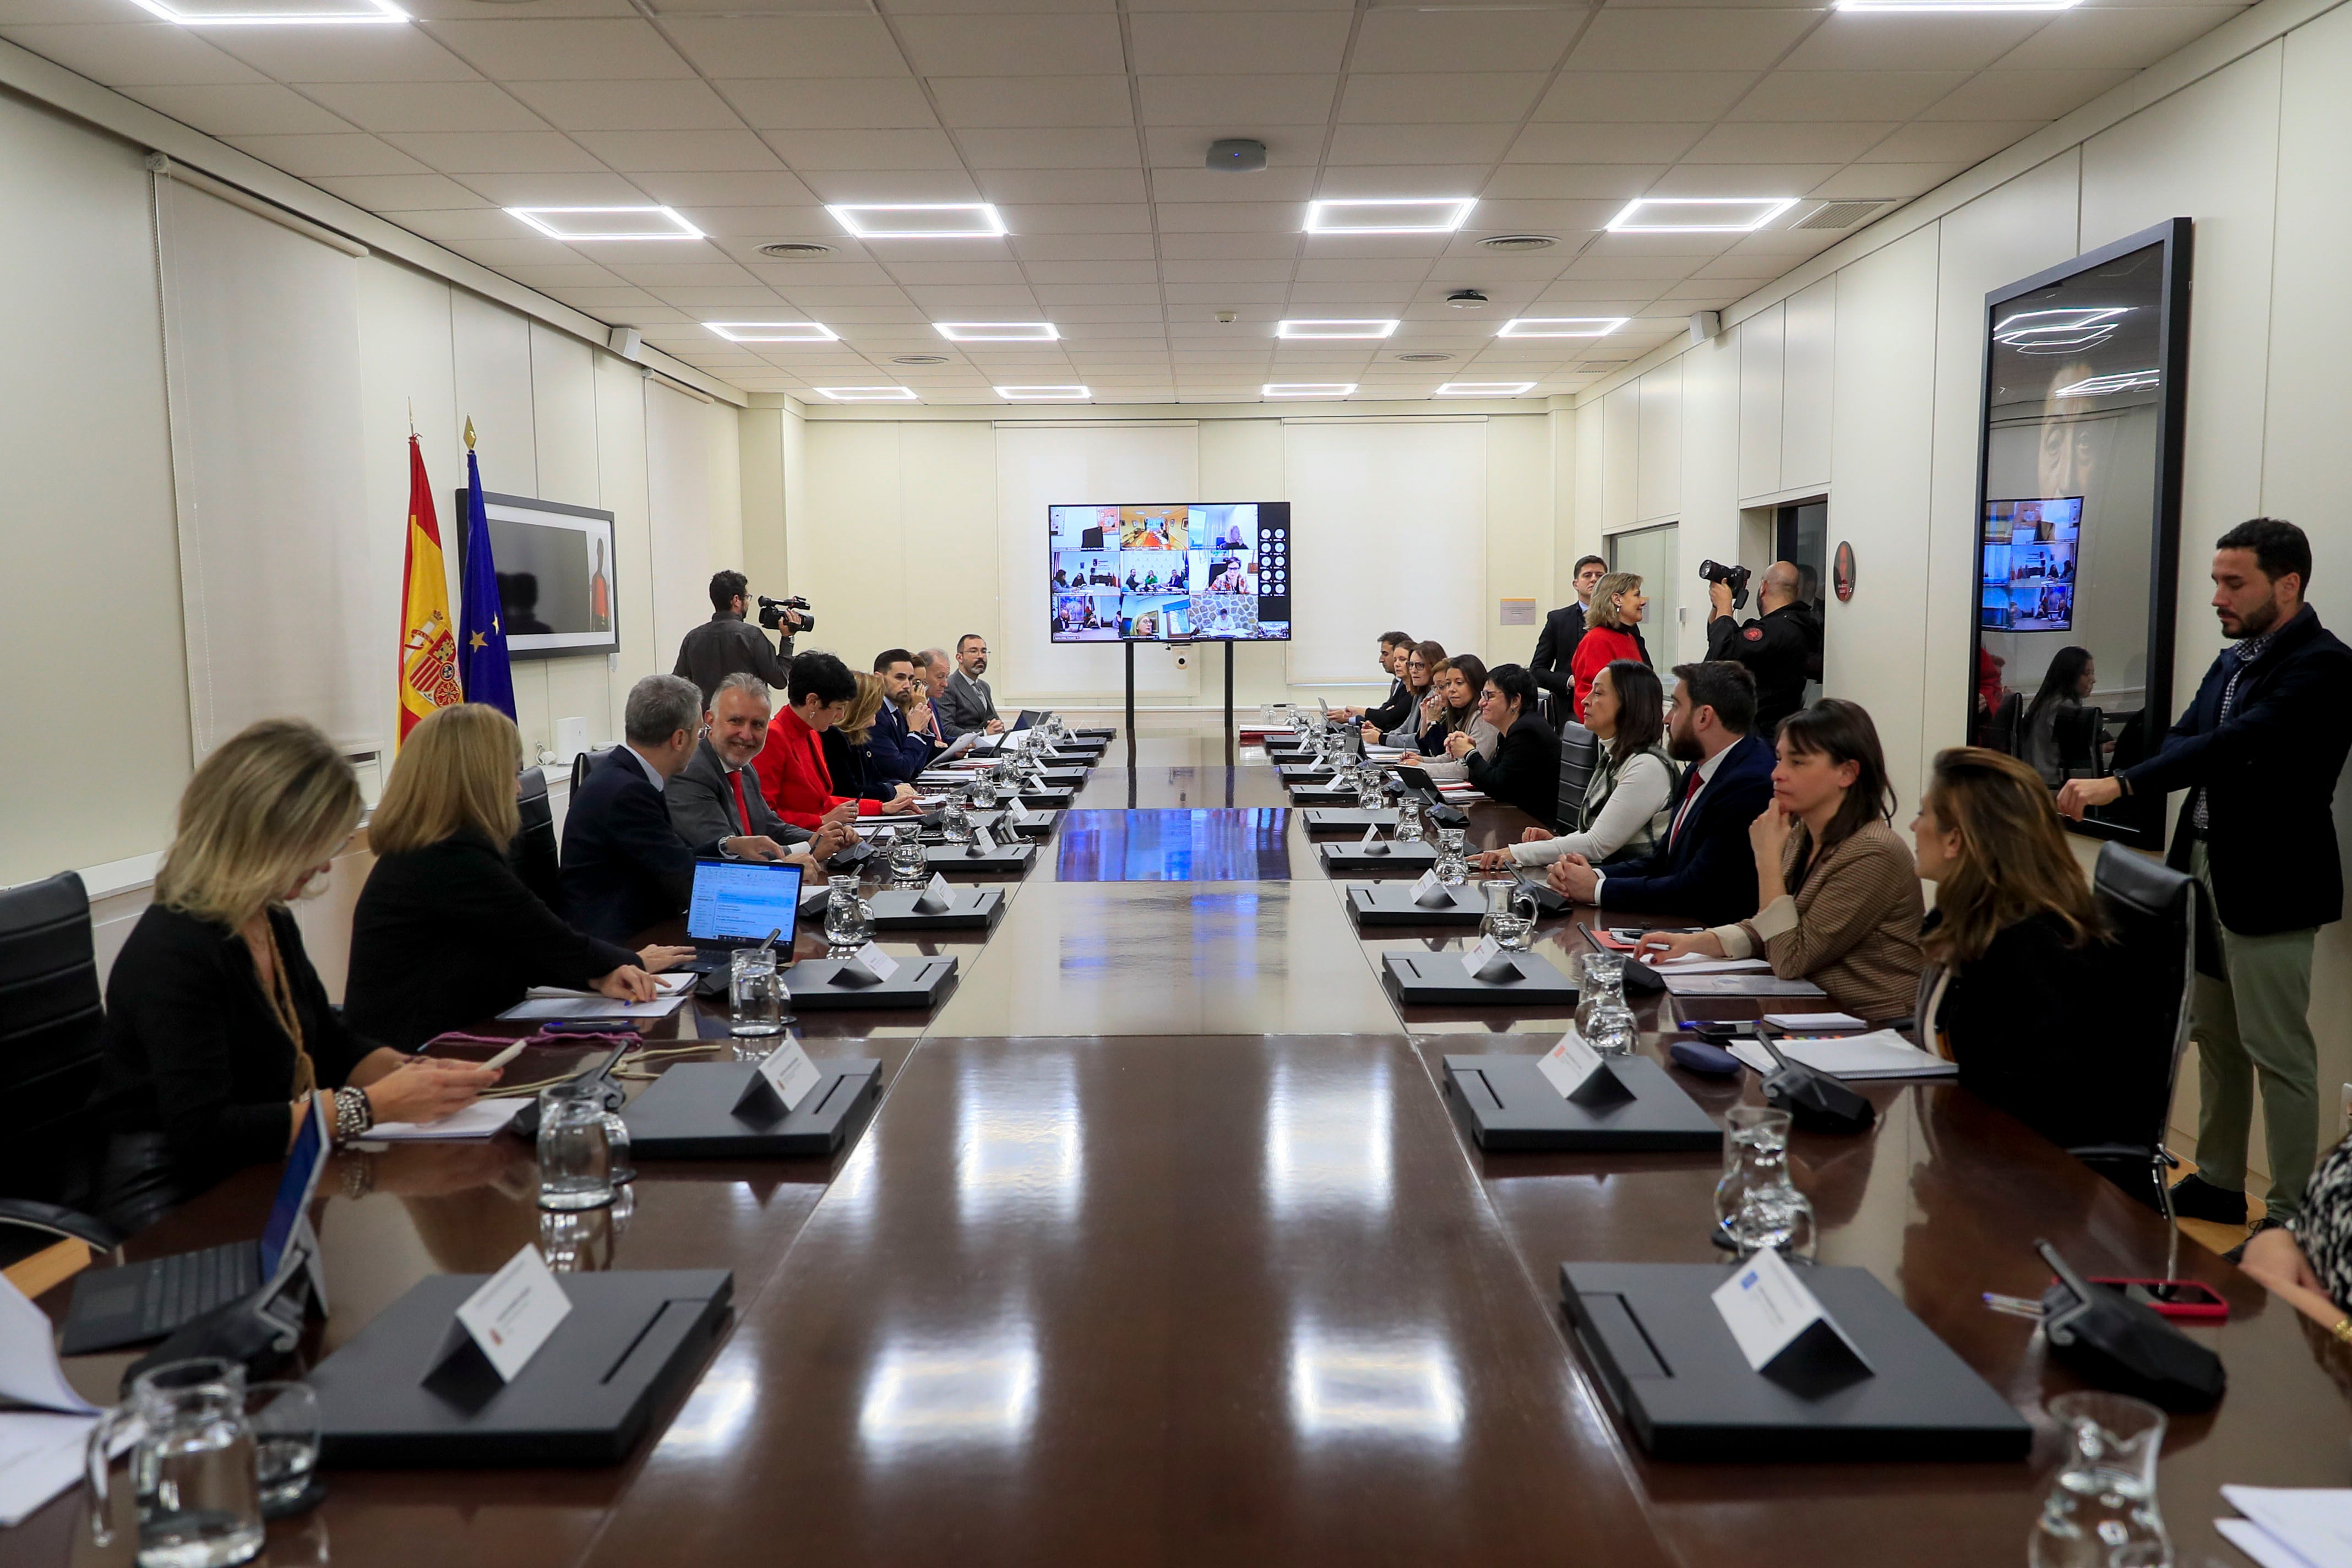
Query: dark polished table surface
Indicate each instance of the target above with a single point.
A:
(1163, 1247)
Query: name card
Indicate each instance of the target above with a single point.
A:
(983, 842)
(1429, 893)
(936, 896)
(789, 1072)
(1488, 961)
(869, 965)
(510, 1318)
(1580, 1074)
(1775, 1319)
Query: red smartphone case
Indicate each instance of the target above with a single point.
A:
(2213, 1310)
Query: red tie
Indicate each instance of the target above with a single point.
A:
(742, 806)
(1690, 792)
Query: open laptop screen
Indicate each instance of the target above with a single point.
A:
(294, 1189)
(743, 900)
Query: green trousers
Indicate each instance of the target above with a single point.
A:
(2256, 1020)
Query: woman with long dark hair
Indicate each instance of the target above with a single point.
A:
(1838, 894)
(1629, 799)
(1420, 673)
(2072, 675)
(1453, 706)
(1524, 769)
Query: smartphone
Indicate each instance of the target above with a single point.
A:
(2186, 1300)
(1718, 1028)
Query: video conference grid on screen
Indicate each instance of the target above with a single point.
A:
(2028, 576)
(1159, 574)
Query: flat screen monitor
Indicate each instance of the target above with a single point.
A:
(1170, 572)
(736, 903)
(554, 565)
(2027, 559)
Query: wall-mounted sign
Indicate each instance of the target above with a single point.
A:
(1841, 571)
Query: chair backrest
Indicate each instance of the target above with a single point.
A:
(2151, 910)
(533, 851)
(2078, 731)
(50, 1016)
(2003, 732)
(587, 763)
(1579, 748)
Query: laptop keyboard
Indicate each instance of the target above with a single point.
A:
(187, 1285)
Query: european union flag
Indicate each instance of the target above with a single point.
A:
(481, 638)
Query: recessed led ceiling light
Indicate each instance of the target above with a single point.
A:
(1485, 388)
(606, 223)
(1561, 326)
(2104, 385)
(1307, 389)
(275, 12)
(1698, 215)
(1389, 215)
(920, 220)
(996, 332)
(774, 331)
(1334, 329)
(1044, 394)
(2050, 332)
(869, 393)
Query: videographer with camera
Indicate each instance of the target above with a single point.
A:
(728, 643)
(1775, 646)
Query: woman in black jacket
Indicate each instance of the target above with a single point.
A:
(218, 1034)
(849, 747)
(446, 934)
(1525, 771)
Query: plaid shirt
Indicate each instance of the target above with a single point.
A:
(2248, 650)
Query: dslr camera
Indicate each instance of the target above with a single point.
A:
(1733, 577)
(771, 611)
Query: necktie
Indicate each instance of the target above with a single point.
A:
(1690, 792)
(742, 806)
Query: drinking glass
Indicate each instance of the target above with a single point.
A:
(908, 864)
(1369, 794)
(1408, 828)
(1604, 980)
(848, 918)
(575, 1161)
(755, 993)
(1756, 1204)
(192, 1467)
(578, 1242)
(955, 821)
(616, 1147)
(2100, 1510)
(285, 1421)
(1451, 868)
(1613, 1030)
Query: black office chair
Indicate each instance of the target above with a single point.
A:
(2079, 733)
(587, 763)
(533, 853)
(2152, 910)
(50, 1014)
(2004, 732)
(1579, 750)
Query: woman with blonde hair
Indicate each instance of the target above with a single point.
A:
(849, 746)
(446, 933)
(218, 1033)
(1617, 609)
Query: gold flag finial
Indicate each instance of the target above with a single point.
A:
(469, 432)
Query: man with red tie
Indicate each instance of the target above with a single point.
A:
(717, 794)
(792, 766)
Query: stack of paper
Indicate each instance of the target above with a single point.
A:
(2290, 1527)
(555, 1002)
(482, 1118)
(1692, 964)
(40, 1449)
(1683, 983)
(1882, 1053)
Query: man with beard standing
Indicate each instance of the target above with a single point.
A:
(2260, 750)
(967, 703)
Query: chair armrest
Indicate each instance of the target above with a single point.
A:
(24, 1214)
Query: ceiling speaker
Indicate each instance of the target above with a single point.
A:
(1240, 155)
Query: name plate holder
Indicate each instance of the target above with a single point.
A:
(1581, 1075)
(1785, 1333)
(937, 898)
(869, 965)
(1429, 893)
(1489, 965)
(780, 1082)
(497, 1330)
(1371, 842)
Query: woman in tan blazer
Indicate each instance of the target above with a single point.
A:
(1838, 891)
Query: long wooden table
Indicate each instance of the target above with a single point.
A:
(1163, 1247)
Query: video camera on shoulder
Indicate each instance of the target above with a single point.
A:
(1732, 577)
(771, 613)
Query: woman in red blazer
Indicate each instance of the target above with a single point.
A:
(791, 768)
(1617, 605)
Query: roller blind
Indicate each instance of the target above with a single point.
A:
(262, 365)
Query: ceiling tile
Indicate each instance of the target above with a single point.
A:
(1058, 294)
(1012, 45)
(1082, 246)
(985, 100)
(757, 47)
(1613, 96)
(1446, 39)
(1416, 144)
(546, 188)
(1229, 217)
(863, 150)
(1045, 274)
(1252, 102)
(1178, 43)
(1879, 41)
(872, 184)
(1054, 218)
(1773, 142)
(243, 108)
(1793, 95)
(689, 190)
(581, 277)
(1741, 179)
(1015, 300)
(495, 152)
(346, 54)
(401, 193)
(560, 50)
(1566, 143)
(1206, 184)
(134, 54)
(700, 152)
(1863, 181)
(340, 154)
(1683, 41)
(788, 276)
(958, 7)
(1439, 97)
(1404, 179)
(2024, 94)
(1184, 146)
(1230, 247)
(969, 273)
(829, 103)
(2125, 38)
(426, 106)
(1404, 271)
(1108, 147)
(1015, 186)
(1565, 182)
(1961, 141)
(680, 105)
(1259, 271)
(457, 224)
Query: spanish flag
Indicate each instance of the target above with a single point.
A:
(429, 638)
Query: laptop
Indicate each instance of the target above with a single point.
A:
(1026, 717)
(736, 903)
(149, 1300)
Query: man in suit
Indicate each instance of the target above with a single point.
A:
(1706, 867)
(717, 794)
(967, 703)
(1563, 629)
(1395, 649)
(899, 744)
(727, 642)
(934, 668)
(625, 866)
(2260, 750)
(1776, 646)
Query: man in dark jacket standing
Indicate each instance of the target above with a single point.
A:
(727, 643)
(1775, 646)
(2259, 749)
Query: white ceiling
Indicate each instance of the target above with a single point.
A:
(1087, 122)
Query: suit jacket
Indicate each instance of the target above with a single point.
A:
(701, 802)
(1525, 771)
(2269, 777)
(727, 643)
(1708, 871)
(624, 866)
(853, 769)
(1777, 649)
(899, 755)
(1390, 713)
(447, 935)
(967, 704)
(1552, 664)
(798, 780)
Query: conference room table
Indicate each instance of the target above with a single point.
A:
(1163, 1247)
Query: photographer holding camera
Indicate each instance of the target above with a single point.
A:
(1775, 646)
(727, 643)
